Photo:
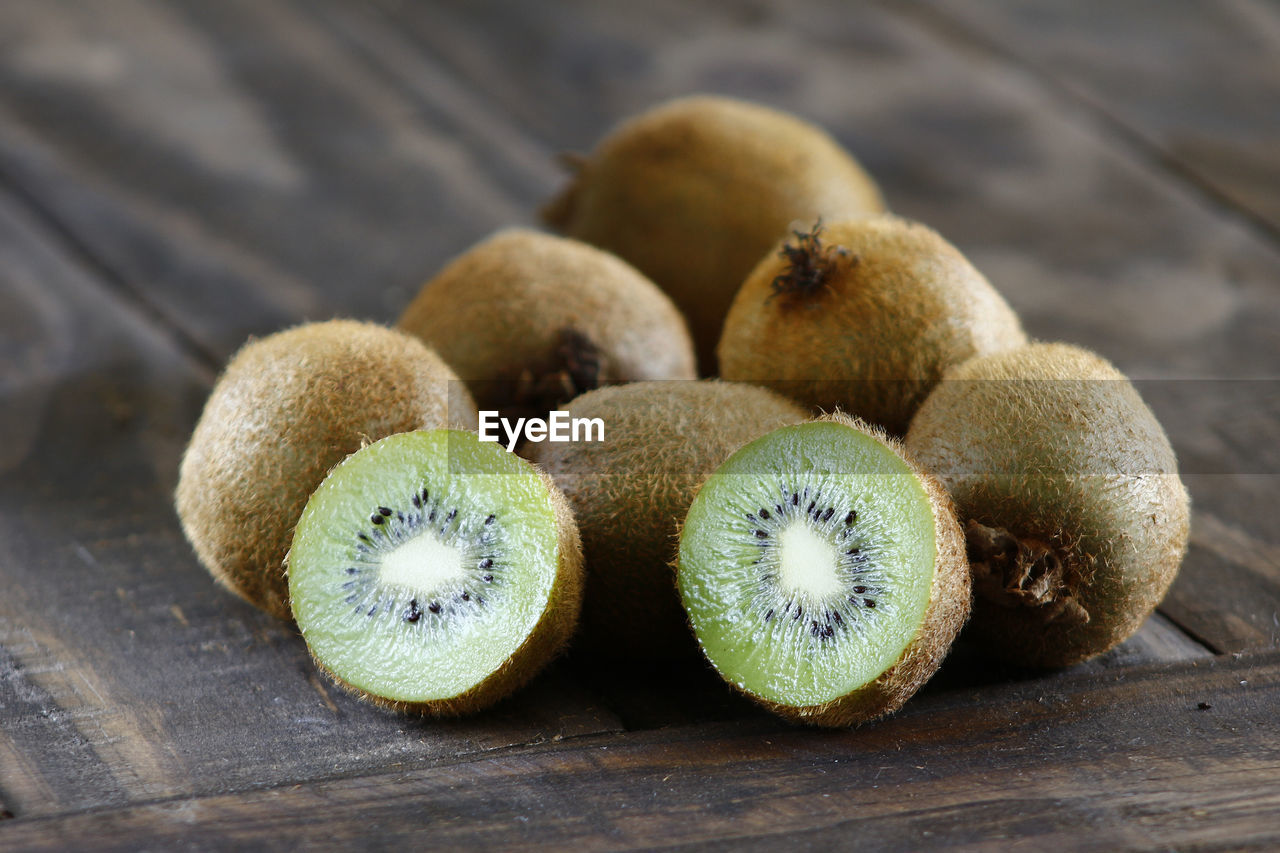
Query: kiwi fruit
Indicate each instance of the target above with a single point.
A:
(695, 190)
(434, 572)
(286, 409)
(630, 491)
(531, 320)
(865, 316)
(1075, 517)
(824, 574)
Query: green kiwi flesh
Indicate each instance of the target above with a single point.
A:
(822, 573)
(431, 571)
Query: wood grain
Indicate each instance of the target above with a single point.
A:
(1196, 82)
(1087, 764)
(236, 168)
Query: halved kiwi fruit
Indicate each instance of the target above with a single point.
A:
(1075, 516)
(695, 190)
(434, 572)
(823, 574)
(865, 316)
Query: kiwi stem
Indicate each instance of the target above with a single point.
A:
(574, 370)
(809, 263)
(1022, 573)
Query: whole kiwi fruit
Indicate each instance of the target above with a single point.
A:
(436, 573)
(630, 491)
(863, 315)
(824, 573)
(531, 320)
(695, 190)
(1075, 517)
(286, 409)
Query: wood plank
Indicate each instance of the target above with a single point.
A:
(237, 168)
(1183, 755)
(125, 673)
(1195, 81)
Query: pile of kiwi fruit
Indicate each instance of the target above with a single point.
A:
(828, 447)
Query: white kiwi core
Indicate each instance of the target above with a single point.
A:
(807, 563)
(423, 565)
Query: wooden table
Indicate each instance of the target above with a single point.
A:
(177, 176)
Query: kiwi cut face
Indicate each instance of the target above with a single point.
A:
(814, 564)
(434, 572)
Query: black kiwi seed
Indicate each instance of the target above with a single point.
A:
(384, 511)
(466, 596)
(486, 562)
(489, 520)
(760, 534)
(376, 519)
(826, 516)
(413, 614)
(434, 607)
(850, 518)
(764, 513)
(488, 578)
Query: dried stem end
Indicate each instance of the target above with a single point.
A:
(1023, 573)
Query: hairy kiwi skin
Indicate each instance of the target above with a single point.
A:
(630, 492)
(287, 408)
(695, 190)
(547, 639)
(567, 316)
(949, 607)
(863, 315)
(1050, 447)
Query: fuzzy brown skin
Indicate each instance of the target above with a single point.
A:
(1077, 519)
(530, 318)
(286, 409)
(547, 639)
(949, 605)
(694, 191)
(662, 439)
(866, 318)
